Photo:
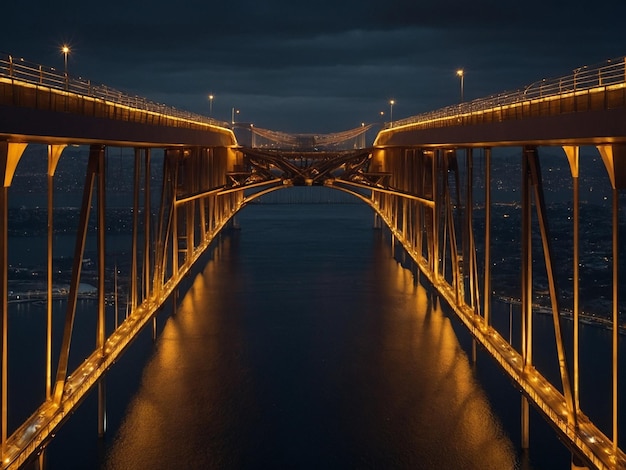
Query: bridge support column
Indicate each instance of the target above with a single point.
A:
(10, 154)
(526, 304)
(98, 152)
(136, 287)
(487, 294)
(133, 265)
(450, 165)
(525, 424)
(469, 249)
(572, 153)
(175, 239)
(614, 158)
(436, 206)
(102, 412)
(41, 460)
(54, 155)
(202, 182)
(230, 156)
(146, 226)
(469, 254)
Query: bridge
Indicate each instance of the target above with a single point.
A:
(418, 177)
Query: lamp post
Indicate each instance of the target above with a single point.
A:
(391, 103)
(232, 115)
(460, 73)
(211, 105)
(65, 50)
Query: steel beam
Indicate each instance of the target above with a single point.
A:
(135, 235)
(101, 247)
(436, 206)
(487, 295)
(54, 155)
(614, 157)
(527, 263)
(526, 310)
(572, 153)
(615, 335)
(147, 205)
(79, 249)
(10, 155)
(535, 174)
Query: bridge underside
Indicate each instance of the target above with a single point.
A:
(299, 168)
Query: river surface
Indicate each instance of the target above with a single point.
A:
(303, 343)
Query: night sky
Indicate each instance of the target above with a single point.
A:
(317, 66)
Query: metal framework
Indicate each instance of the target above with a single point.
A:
(195, 204)
(425, 212)
(350, 139)
(422, 191)
(555, 113)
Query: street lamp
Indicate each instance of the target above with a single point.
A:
(65, 50)
(391, 103)
(211, 105)
(232, 115)
(461, 74)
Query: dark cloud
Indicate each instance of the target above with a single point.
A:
(314, 67)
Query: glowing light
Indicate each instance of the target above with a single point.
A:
(460, 73)
(65, 50)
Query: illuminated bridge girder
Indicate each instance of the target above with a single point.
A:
(427, 204)
(195, 204)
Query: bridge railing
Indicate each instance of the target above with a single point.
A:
(19, 70)
(569, 93)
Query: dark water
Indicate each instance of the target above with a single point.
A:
(302, 343)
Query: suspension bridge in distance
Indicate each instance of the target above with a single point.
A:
(418, 177)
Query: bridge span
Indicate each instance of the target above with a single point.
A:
(418, 177)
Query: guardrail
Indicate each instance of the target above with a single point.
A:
(19, 70)
(570, 93)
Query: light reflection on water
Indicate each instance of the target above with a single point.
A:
(303, 344)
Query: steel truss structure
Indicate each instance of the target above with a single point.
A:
(419, 179)
(195, 204)
(429, 214)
